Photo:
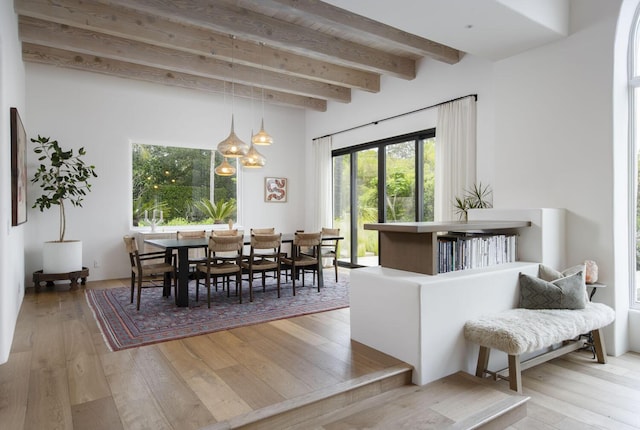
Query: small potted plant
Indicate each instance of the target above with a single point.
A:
(478, 197)
(62, 177)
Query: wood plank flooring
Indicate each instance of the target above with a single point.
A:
(61, 375)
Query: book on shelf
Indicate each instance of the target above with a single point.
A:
(460, 251)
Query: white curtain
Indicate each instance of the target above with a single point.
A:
(322, 213)
(455, 155)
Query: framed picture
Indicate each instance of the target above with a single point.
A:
(18, 170)
(275, 190)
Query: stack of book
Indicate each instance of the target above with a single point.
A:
(460, 251)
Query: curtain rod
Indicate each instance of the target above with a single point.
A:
(475, 96)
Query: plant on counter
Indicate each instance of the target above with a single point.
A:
(477, 197)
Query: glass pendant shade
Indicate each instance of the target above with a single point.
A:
(253, 159)
(232, 146)
(225, 169)
(262, 137)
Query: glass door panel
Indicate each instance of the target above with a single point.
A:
(429, 177)
(400, 182)
(366, 197)
(342, 203)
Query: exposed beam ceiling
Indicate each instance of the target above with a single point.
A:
(303, 52)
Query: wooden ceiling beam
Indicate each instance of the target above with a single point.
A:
(73, 60)
(344, 21)
(86, 42)
(225, 16)
(153, 29)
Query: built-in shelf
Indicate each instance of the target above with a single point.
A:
(413, 246)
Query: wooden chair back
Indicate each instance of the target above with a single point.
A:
(225, 244)
(191, 234)
(270, 230)
(233, 232)
(307, 239)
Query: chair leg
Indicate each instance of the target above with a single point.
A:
(215, 282)
(250, 286)
(320, 276)
(139, 292)
(133, 282)
(335, 267)
(294, 275)
(239, 285)
(278, 281)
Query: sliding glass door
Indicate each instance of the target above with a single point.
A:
(384, 181)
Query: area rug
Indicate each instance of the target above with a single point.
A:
(159, 319)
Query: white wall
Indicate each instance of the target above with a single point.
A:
(11, 238)
(104, 114)
(554, 134)
(545, 134)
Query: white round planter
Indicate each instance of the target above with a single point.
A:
(62, 257)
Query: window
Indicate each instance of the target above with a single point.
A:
(634, 159)
(385, 181)
(171, 182)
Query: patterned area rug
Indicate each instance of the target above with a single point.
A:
(159, 319)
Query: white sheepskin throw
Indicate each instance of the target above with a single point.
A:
(516, 331)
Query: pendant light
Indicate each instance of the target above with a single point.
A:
(253, 159)
(225, 169)
(262, 137)
(232, 146)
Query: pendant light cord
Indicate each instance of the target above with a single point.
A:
(262, 74)
(233, 86)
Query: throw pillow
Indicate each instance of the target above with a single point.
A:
(550, 274)
(568, 292)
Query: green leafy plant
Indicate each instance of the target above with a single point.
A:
(218, 211)
(477, 197)
(62, 176)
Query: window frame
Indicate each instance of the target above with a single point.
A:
(212, 165)
(633, 69)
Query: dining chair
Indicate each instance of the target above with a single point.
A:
(224, 257)
(143, 266)
(228, 232)
(329, 248)
(305, 254)
(264, 256)
(195, 255)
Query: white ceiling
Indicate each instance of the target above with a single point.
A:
(491, 29)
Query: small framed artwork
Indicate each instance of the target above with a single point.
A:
(18, 170)
(275, 190)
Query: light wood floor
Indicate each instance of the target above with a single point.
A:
(60, 374)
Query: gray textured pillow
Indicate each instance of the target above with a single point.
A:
(564, 293)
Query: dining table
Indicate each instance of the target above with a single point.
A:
(182, 246)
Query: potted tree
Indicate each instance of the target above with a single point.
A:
(63, 177)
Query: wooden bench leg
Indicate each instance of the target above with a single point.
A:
(483, 361)
(598, 343)
(515, 376)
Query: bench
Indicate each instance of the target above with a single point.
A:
(520, 331)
